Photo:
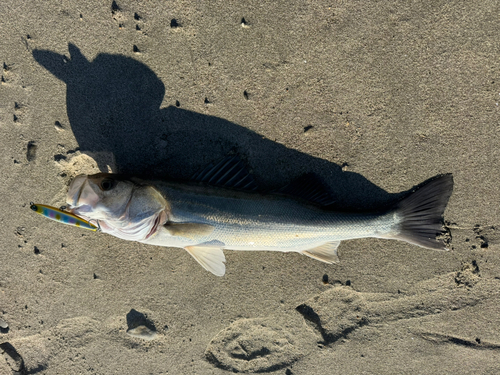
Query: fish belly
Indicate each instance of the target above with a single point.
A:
(279, 236)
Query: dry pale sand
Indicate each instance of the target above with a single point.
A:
(375, 97)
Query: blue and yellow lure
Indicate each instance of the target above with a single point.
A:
(61, 216)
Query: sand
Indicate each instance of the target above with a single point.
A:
(374, 97)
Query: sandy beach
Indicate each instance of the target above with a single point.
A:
(373, 97)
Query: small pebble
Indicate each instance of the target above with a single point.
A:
(3, 324)
(142, 332)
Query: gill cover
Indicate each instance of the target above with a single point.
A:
(124, 208)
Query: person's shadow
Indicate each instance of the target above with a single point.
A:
(113, 105)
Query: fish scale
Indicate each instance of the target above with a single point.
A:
(276, 223)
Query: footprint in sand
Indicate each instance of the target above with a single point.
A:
(18, 115)
(118, 15)
(31, 151)
(339, 311)
(14, 362)
(260, 345)
(253, 345)
(53, 347)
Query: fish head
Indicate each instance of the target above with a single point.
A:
(125, 208)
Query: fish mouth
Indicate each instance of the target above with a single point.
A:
(159, 221)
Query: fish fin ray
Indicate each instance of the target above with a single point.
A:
(229, 172)
(310, 188)
(210, 256)
(422, 213)
(324, 253)
(188, 230)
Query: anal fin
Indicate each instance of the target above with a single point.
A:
(324, 253)
(210, 256)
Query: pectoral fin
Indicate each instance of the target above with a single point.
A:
(325, 253)
(188, 230)
(210, 256)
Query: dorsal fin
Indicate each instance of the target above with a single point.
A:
(230, 172)
(308, 187)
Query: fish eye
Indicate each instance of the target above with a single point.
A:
(107, 184)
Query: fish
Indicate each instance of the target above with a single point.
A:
(62, 216)
(221, 209)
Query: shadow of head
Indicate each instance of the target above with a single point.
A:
(113, 104)
(111, 101)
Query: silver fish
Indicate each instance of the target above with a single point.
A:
(205, 220)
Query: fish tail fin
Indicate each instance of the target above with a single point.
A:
(422, 212)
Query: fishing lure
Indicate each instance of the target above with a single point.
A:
(61, 216)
